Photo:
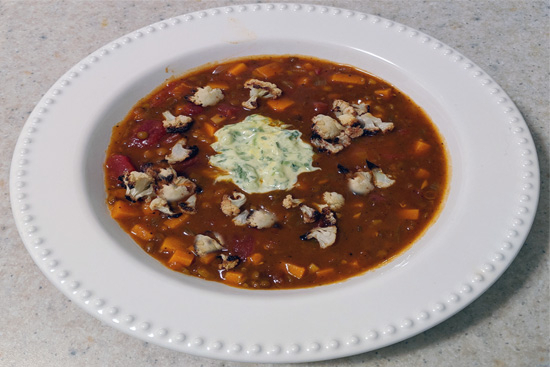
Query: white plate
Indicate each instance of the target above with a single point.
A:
(489, 211)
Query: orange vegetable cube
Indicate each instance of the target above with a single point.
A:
(347, 78)
(295, 270)
(181, 259)
(280, 104)
(422, 173)
(171, 244)
(234, 277)
(421, 147)
(141, 231)
(218, 85)
(256, 258)
(209, 128)
(411, 214)
(122, 209)
(268, 70)
(385, 93)
(173, 223)
(237, 69)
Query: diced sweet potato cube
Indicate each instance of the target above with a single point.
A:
(141, 231)
(295, 270)
(208, 258)
(256, 258)
(280, 104)
(234, 277)
(421, 147)
(122, 209)
(268, 70)
(422, 173)
(173, 223)
(181, 259)
(237, 69)
(411, 214)
(172, 244)
(385, 93)
(347, 78)
(218, 85)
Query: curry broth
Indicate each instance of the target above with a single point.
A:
(371, 228)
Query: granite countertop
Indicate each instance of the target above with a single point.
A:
(509, 325)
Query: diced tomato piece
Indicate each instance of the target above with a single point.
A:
(242, 247)
(119, 164)
(228, 110)
(147, 134)
(321, 107)
(191, 109)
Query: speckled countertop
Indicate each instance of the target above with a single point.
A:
(507, 326)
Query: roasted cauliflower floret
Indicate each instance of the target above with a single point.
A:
(179, 189)
(309, 215)
(167, 174)
(189, 205)
(229, 262)
(327, 218)
(260, 89)
(206, 244)
(361, 182)
(326, 236)
(179, 153)
(373, 124)
(206, 96)
(325, 146)
(344, 112)
(241, 219)
(334, 200)
(290, 202)
(138, 185)
(176, 124)
(380, 179)
(161, 205)
(231, 204)
(261, 219)
(326, 127)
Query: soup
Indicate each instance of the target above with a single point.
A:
(275, 172)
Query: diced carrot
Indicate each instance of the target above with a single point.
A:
(237, 69)
(424, 185)
(354, 263)
(412, 214)
(122, 209)
(234, 277)
(356, 215)
(324, 273)
(308, 66)
(295, 270)
(422, 173)
(421, 147)
(385, 93)
(209, 129)
(280, 104)
(303, 81)
(256, 258)
(171, 244)
(208, 258)
(268, 70)
(347, 78)
(181, 259)
(173, 223)
(142, 232)
(218, 85)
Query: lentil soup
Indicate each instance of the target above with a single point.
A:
(275, 172)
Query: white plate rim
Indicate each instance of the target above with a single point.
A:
(263, 343)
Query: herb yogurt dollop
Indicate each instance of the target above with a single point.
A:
(260, 155)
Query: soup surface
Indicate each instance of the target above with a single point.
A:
(275, 172)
